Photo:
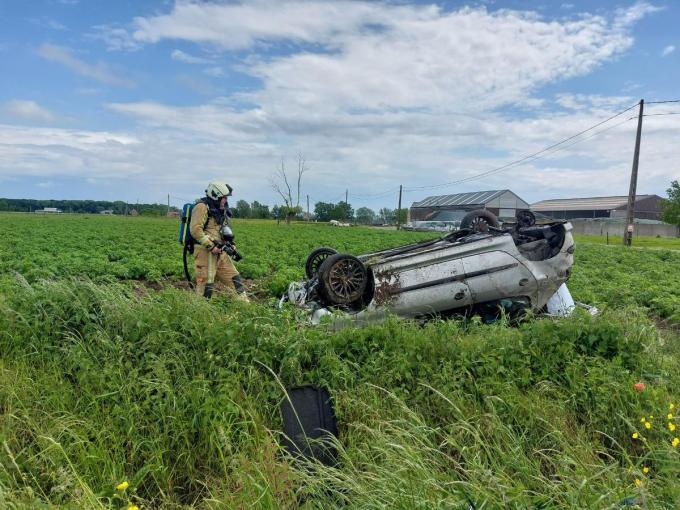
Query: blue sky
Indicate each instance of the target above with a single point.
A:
(135, 100)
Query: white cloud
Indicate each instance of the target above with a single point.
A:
(53, 152)
(115, 37)
(28, 111)
(373, 94)
(100, 71)
(240, 25)
(668, 50)
(215, 72)
(590, 102)
(370, 152)
(48, 23)
(381, 56)
(629, 15)
(188, 59)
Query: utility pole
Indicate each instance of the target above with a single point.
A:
(399, 210)
(168, 214)
(630, 210)
(308, 217)
(346, 202)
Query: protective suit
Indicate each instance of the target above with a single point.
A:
(210, 268)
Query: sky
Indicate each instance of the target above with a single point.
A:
(136, 99)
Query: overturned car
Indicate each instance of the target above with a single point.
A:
(482, 268)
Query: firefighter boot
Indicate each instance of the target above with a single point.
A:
(240, 288)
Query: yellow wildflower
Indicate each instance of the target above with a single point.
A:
(132, 507)
(635, 435)
(638, 482)
(643, 419)
(648, 425)
(675, 442)
(645, 469)
(122, 486)
(670, 416)
(671, 426)
(671, 406)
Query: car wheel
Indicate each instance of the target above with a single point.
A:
(316, 258)
(479, 220)
(342, 279)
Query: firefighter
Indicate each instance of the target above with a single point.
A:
(211, 264)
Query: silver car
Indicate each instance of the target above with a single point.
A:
(482, 268)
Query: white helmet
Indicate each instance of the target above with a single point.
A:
(217, 190)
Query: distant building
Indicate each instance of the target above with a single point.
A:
(134, 212)
(503, 203)
(107, 211)
(647, 207)
(48, 210)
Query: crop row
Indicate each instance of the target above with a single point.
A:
(103, 248)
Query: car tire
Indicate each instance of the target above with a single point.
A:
(342, 279)
(316, 258)
(479, 220)
(525, 218)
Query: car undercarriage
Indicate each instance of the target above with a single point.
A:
(483, 268)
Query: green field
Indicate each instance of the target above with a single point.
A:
(178, 396)
(670, 243)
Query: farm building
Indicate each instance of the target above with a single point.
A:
(646, 207)
(503, 203)
(48, 210)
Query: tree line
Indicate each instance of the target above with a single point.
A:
(323, 211)
(84, 206)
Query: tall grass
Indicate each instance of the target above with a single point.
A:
(179, 397)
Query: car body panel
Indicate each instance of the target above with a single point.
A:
(452, 273)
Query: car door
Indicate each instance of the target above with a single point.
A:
(429, 286)
(495, 275)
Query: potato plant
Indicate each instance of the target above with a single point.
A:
(111, 397)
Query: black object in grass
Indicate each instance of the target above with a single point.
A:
(309, 424)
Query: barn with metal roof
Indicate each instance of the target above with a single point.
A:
(503, 203)
(646, 207)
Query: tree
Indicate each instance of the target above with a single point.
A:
(242, 209)
(402, 214)
(671, 207)
(342, 212)
(326, 211)
(365, 215)
(323, 211)
(280, 183)
(387, 215)
(259, 211)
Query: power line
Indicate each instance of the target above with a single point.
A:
(662, 102)
(659, 114)
(534, 158)
(586, 138)
(525, 158)
(375, 195)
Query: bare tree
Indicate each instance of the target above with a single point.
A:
(280, 183)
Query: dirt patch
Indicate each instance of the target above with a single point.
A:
(387, 285)
(144, 288)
